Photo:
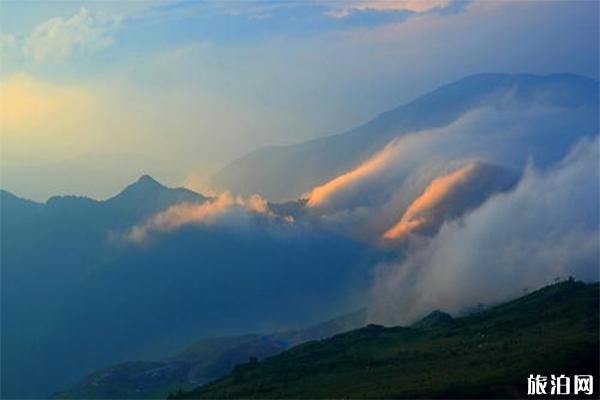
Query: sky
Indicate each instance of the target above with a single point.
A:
(94, 94)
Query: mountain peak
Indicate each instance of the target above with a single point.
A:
(139, 190)
(146, 193)
(147, 180)
(435, 318)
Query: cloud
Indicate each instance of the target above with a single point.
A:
(322, 195)
(448, 196)
(547, 227)
(207, 213)
(375, 180)
(413, 6)
(368, 200)
(57, 39)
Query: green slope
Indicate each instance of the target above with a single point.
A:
(490, 354)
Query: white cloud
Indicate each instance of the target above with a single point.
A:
(415, 6)
(546, 228)
(207, 213)
(57, 39)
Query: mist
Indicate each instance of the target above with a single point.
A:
(544, 229)
(223, 209)
(370, 198)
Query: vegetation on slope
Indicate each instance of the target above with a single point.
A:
(488, 354)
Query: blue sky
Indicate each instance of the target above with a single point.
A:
(93, 94)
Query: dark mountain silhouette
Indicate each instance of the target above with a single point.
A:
(47, 250)
(133, 204)
(13, 202)
(199, 363)
(434, 319)
(146, 197)
(76, 296)
(16, 212)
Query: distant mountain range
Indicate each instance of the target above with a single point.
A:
(48, 250)
(487, 354)
(200, 363)
(286, 172)
(133, 204)
(77, 296)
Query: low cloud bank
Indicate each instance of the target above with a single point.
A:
(546, 228)
(224, 208)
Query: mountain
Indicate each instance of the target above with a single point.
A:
(434, 319)
(489, 354)
(133, 204)
(77, 296)
(286, 172)
(14, 203)
(73, 226)
(47, 251)
(203, 281)
(204, 361)
(146, 197)
(15, 211)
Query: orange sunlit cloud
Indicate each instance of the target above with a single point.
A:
(321, 194)
(193, 213)
(429, 206)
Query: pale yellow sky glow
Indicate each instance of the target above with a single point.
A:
(33, 107)
(39, 119)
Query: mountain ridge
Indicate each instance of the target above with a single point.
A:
(48, 251)
(307, 164)
(144, 183)
(200, 362)
(483, 355)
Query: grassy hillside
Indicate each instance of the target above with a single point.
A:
(489, 354)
